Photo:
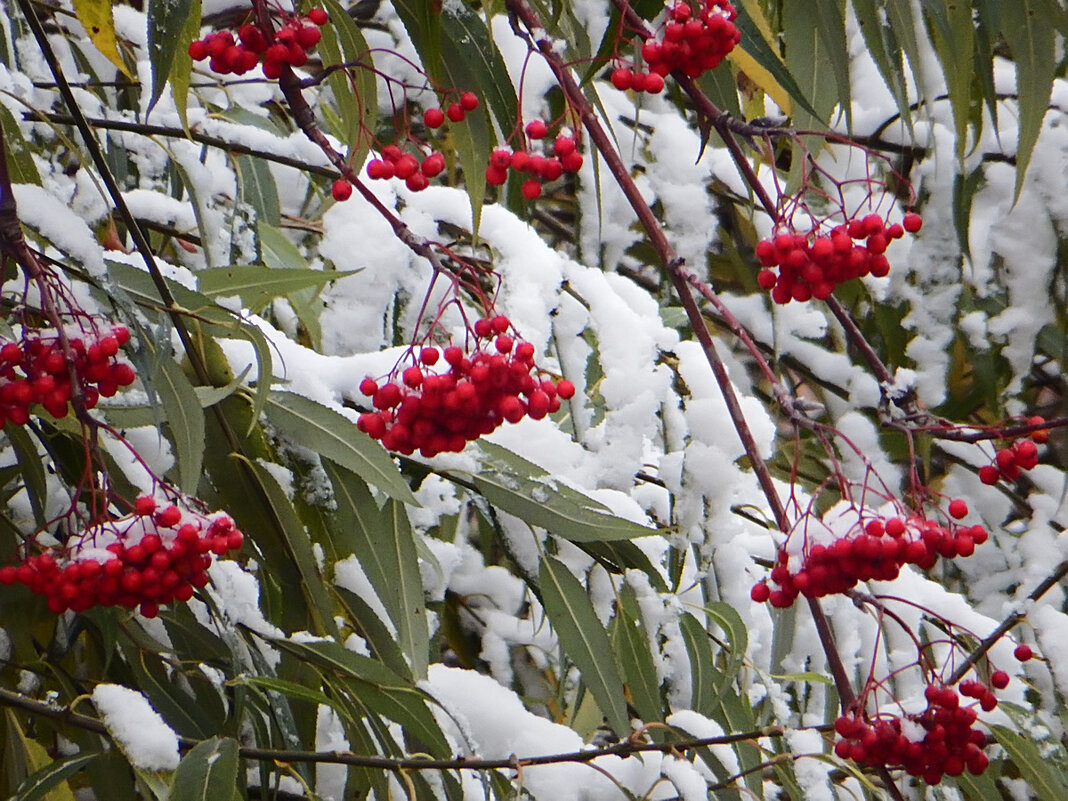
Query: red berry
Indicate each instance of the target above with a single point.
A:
(621, 79)
(1023, 652)
(536, 129)
(760, 592)
(145, 506)
(999, 679)
(368, 386)
(455, 112)
(989, 474)
(958, 509)
(432, 165)
(318, 16)
(198, 50)
(531, 189)
(912, 222)
(341, 190)
(308, 37)
(654, 84)
(565, 389)
(428, 356)
(468, 101)
(433, 117)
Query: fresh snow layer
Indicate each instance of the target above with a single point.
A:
(148, 742)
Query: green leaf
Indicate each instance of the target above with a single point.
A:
(703, 673)
(167, 24)
(979, 788)
(1038, 774)
(1025, 24)
(727, 618)
(523, 489)
(384, 544)
(208, 772)
(953, 35)
(258, 187)
(257, 285)
(371, 627)
(276, 251)
(885, 51)
(185, 418)
(290, 689)
(584, 640)
(32, 468)
(21, 168)
(355, 90)
(830, 20)
(182, 66)
(334, 436)
(807, 57)
(40, 783)
(630, 642)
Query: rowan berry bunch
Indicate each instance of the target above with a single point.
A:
(542, 168)
(811, 265)
(395, 163)
(288, 46)
(1019, 455)
(149, 558)
(692, 40)
(437, 412)
(876, 550)
(942, 740)
(35, 372)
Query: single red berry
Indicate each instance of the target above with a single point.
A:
(198, 50)
(531, 189)
(169, 517)
(989, 474)
(368, 386)
(428, 356)
(432, 165)
(378, 169)
(468, 101)
(621, 79)
(536, 129)
(455, 112)
(341, 190)
(912, 222)
(417, 182)
(572, 162)
(433, 118)
(145, 506)
(654, 84)
(565, 389)
(1023, 652)
(318, 16)
(760, 592)
(495, 176)
(999, 679)
(308, 37)
(958, 509)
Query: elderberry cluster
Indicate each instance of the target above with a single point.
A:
(811, 265)
(441, 412)
(541, 168)
(35, 370)
(690, 42)
(941, 741)
(877, 551)
(288, 46)
(1019, 455)
(146, 559)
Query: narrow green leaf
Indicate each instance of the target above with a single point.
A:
(208, 772)
(276, 251)
(953, 35)
(185, 418)
(704, 676)
(258, 188)
(1038, 774)
(979, 788)
(355, 91)
(335, 436)
(381, 643)
(166, 24)
(630, 643)
(257, 286)
(290, 689)
(21, 167)
(830, 16)
(32, 468)
(806, 58)
(584, 640)
(728, 619)
(40, 783)
(182, 66)
(384, 545)
(523, 489)
(1025, 24)
(885, 50)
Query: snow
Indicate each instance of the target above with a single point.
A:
(148, 742)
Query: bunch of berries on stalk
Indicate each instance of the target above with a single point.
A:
(1020, 455)
(289, 45)
(151, 557)
(35, 371)
(875, 551)
(690, 42)
(541, 168)
(811, 265)
(940, 741)
(435, 412)
(456, 112)
(395, 163)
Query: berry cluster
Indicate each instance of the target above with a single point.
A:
(541, 168)
(288, 46)
(691, 42)
(877, 551)
(812, 265)
(441, 412)
(149, 558)
(941, 741)
(456, 112)
(35, 371)
(1010, 460)
(395, 163)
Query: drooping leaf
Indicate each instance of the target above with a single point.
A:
(185, 419)
(96, 17)
(208, 772)
(952, 33)
(167, 27)
(1038, 773)
(355, 90)
(182, 66)
(885, 50)
(584, 640)
(631, 644)
(257, 286)
(21, 167)
(42, 783)
(334, 436)
(258, 188)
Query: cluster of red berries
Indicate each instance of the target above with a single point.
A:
(288, 46)
(691, 42)
(812, 265)
(35, 371)
(541, 168)
(153, 557)
(949, 745)
(1020, 455)
(441, 412)
(456, 112)
(395, 163)
(877, 551)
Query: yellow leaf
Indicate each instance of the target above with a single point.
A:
(762, 78)
(36, 758)
(95, 16)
